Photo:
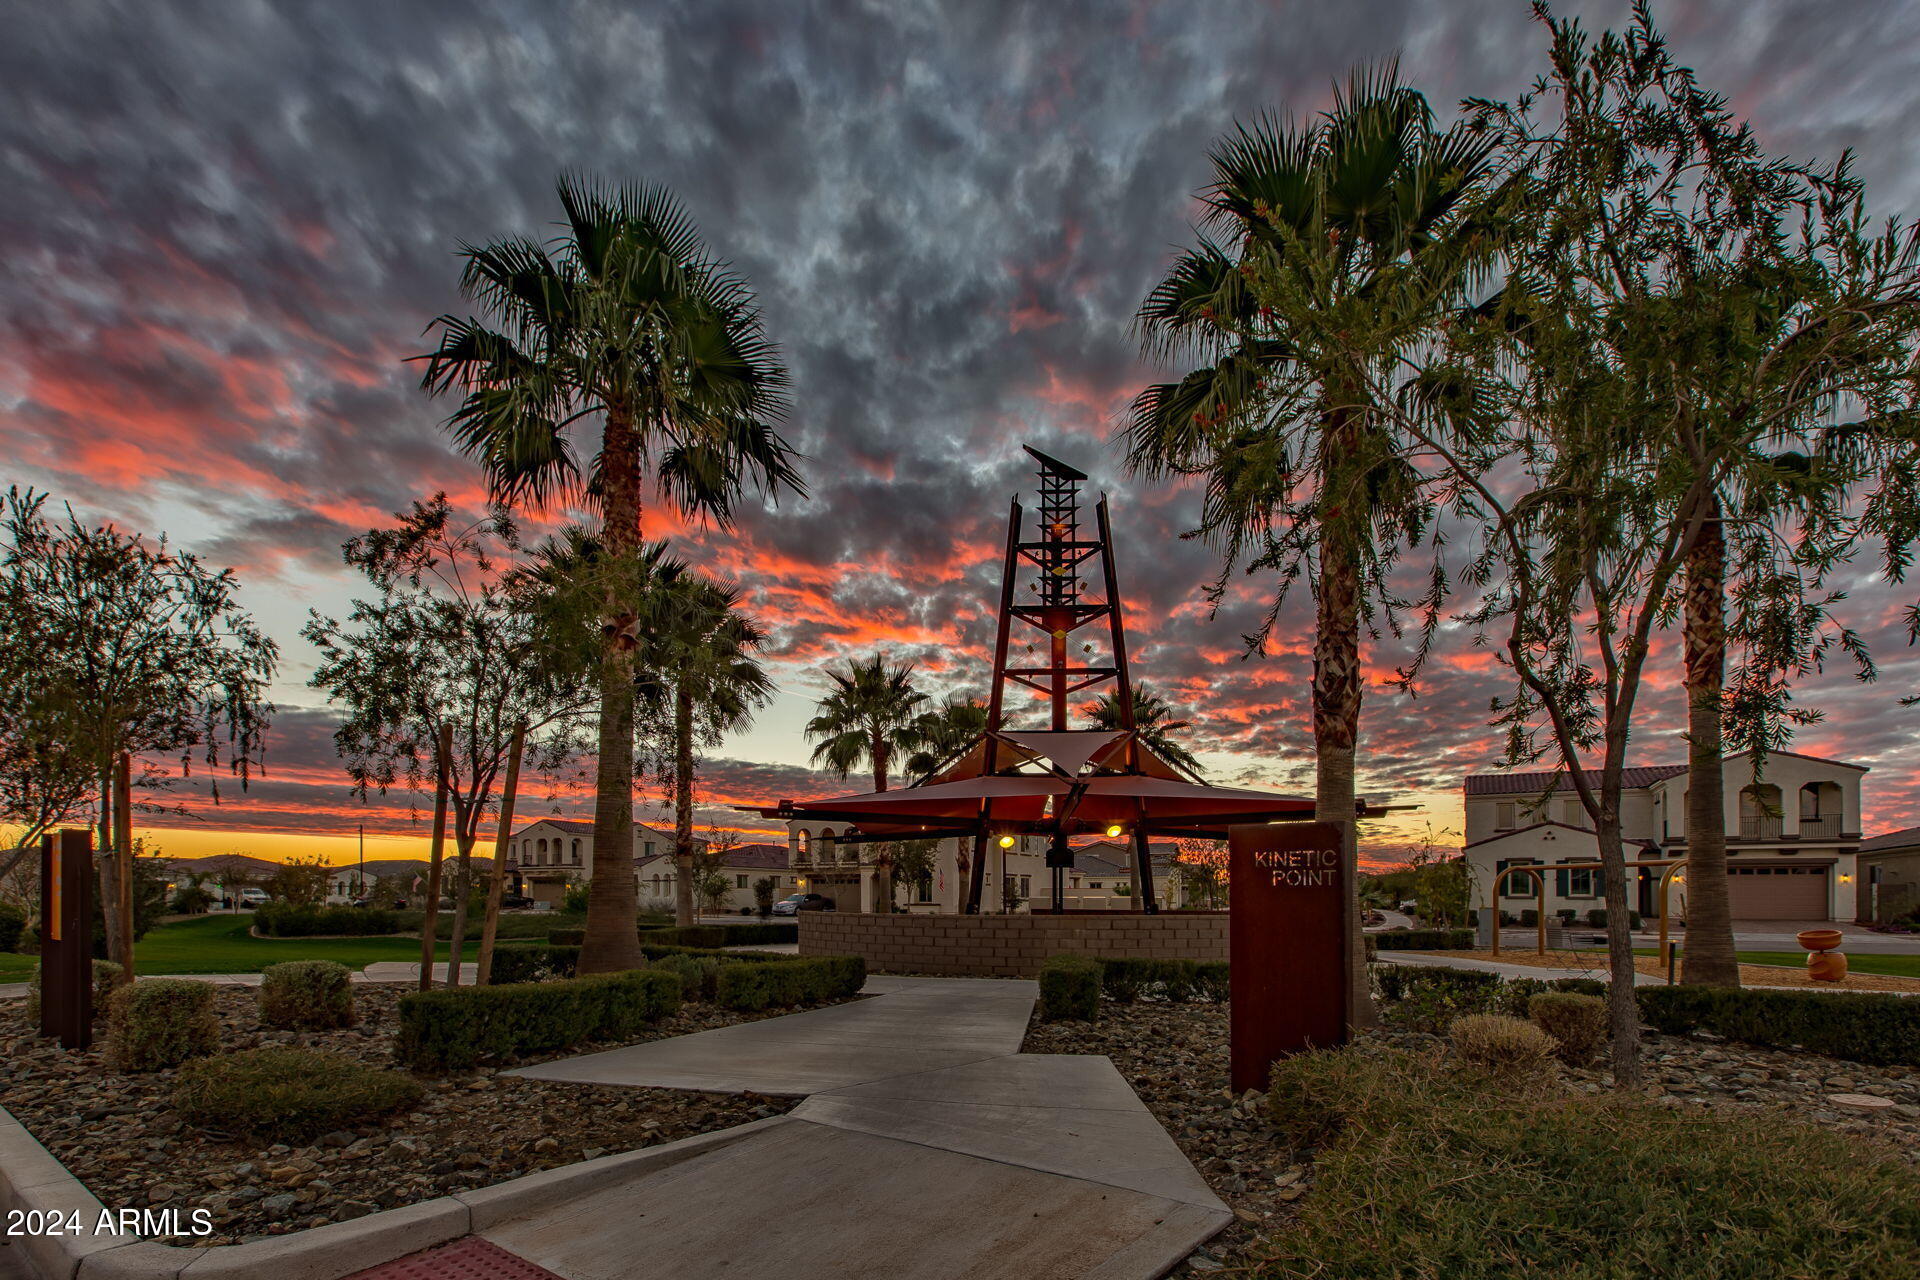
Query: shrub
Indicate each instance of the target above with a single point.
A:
(1421, 940)
(1567, 915)
(1577, 1023)
(1513, 1052)
(699, 975)
(787, 981)
(28, 943)
(532, 962)
(291, 920)
(709, 937)
(1070, 989)
(1430, 997)
(1871, 1027)
(106, 976)
(1515, 995)
(189, 900)
(575, 898)
(1597, 917)
(1126, 979)
(763, 890)
(13, 922)
(311, 994)
(567, 937)
(1530, 918)
(1313, 1097)
(160, 1023)
(288, 1095)
(1425, 1176)
(454, 1028)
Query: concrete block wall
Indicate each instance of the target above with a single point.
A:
(995, 946)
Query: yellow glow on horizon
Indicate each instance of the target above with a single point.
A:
(278, 846)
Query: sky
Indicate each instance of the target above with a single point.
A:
(226, 226)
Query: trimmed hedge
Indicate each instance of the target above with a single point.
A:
(708, 937)
(761, 934)
(1861, 1026)
(1429, 997)
(313, 995)
(160, 1022)
(455, 1028)
(763, 984)
(286, 920)
(1126, 979)
(515, 962)
(699, 975)
(288, 1095)
(1421, 940)
(567, 937)
(1070, 989)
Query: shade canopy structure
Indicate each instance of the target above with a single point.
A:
(1050, 779)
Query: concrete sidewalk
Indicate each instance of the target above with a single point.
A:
(920, 1110)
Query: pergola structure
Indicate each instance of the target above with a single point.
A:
(1051, 780)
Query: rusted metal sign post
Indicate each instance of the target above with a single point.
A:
(1287, 944)
(66, 938)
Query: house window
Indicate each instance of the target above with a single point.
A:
(648, 846)
(1573, 813)
(1515, 886)
(1026, 886)
(1504, 814)
(924, 891)
(739, 882)
(576, 853)
(1093, 884)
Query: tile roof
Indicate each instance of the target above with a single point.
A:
(771, 856)
(1533, 784)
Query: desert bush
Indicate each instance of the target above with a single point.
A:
(454, 1028)
(1430, 997)
(310, 994)
(1597, 917)
(1420, 1173)
(1514, 996)
(160, 1022)
(1513, 1052)
(1577, 1023)
(706, 936)
(1872, 1027)
(532, 962)
(288, 1095)
(1070, 989)
(13, 922)
(106, 976)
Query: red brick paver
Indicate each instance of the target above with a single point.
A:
(468, 1258)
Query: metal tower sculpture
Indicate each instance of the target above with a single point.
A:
(1054, 782)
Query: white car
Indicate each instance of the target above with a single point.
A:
(254, 898)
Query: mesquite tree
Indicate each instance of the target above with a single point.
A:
(448, 641)
(112, 645)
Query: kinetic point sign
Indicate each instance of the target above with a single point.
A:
(1288, 943)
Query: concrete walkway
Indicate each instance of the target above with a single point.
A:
(928, 1146)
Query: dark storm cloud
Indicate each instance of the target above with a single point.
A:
(227, 224)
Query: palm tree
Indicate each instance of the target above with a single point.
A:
(699, 653)
(940, 735)
(1352, 239)
(1151, 720)
(626, 323)
(870, 713)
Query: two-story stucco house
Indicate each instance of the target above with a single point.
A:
(544, 857)
(1793, 838)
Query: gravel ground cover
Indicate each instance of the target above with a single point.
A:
(1175, 1057)
(120, 1136)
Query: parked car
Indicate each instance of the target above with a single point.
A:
(795, 903)
(254, 898)
(363, 902)
(515, 902)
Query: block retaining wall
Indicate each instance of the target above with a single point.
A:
(992, 946)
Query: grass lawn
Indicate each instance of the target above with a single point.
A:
(1898, 966)
(221, 944)
(1424, 1171)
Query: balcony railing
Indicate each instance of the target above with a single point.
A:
(1820, 828)
(1759, 827)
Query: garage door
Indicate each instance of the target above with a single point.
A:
(1777, 893)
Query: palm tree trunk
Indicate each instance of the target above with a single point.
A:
(1336, 697)
(882, 853)
(1709, 957)
(683, 804)
(612, 940)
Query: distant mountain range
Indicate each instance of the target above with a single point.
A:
(227, 864)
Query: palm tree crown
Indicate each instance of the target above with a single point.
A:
(867, 716)
(1152, 720)
(943, 733)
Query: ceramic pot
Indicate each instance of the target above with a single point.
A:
(1826, 966)
(1819, 939)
